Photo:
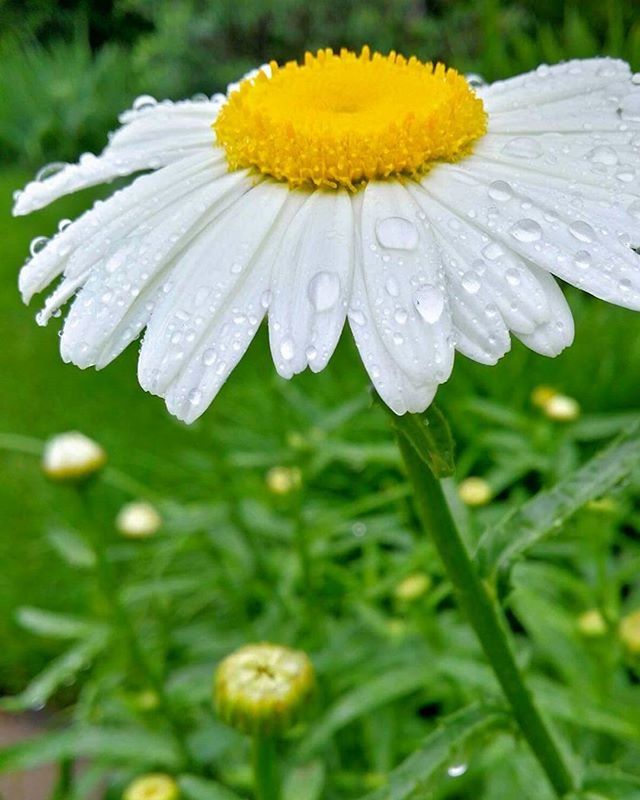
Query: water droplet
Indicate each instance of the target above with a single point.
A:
(492, 251)
(626, 175)
(37, 244)
(144, 101)
(624, 285)
(200, 97)
(356, 316)
(400, 315)
(287, 349)
(583, 259)
(471, 282)
(265, 299)
(474, 80)
(526, 230)
(523, 147)
(429, 302)
(64, 223)
(582, 231)
(392, 287)
(195, 397)
(603, 155)
(513, 276)
(397, 233)
(209, 357)
(49, 170)
(324, 290)
(500, 191)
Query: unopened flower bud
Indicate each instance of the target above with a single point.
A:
(474, 491)
(138, 519)
(561, 408)
(72, 457)
(412, 587)
(629, 632)
(592, 624)
(155, 786)
(283, 480)
(263, 688)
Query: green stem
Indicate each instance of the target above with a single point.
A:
(136, 655)
(265, 768)
(478, 604)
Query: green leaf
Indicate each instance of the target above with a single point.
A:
(384, 688)
(305, 782)
(57, 626)
(194, 788)
(59, 671)
(436, 751)
(545, 513)
(113, 745)
(72, 548)
(430, 437)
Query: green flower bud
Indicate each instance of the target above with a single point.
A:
(155, 786)
(72, 457)
(263, 688)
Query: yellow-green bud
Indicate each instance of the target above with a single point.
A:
(138, 519)
(155, 786)
(263, 688)
(629, 632)
(72, 457)
(603, 505)
(412, 587)
(541, 395)
(592, 624)
(562, 408)
(283, 480)
(474, 491)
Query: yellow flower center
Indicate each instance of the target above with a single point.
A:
(341, 120)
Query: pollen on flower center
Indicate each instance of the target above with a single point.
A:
(343, 119)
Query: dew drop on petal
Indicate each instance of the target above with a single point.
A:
(64, 223)
(38, 244)
(324, 290)
(429, 301)
(195, 397)
(523, 147)
(492, 251)
(603, 155)
(583, 259)
(209, 357)
(471, 282)
(526, 230)
(397, 233)
(582, 231)
(49, 170)
(287, 349)
(500, 191)
(144, 101)
(474, 80)
(265, 299)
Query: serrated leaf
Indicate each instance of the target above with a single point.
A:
(59, 671)
(305, 782)
(430, 436)
(57, 626)
(113, 745)
(392, 684)
(436, 751)
(195, 788)
(72, 548)
(501, 545)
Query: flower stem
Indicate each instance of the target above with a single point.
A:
(265, 768)
(477, 602)
(107, 586)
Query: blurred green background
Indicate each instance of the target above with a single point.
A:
(66, 70)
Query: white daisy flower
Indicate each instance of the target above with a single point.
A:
(431, 213)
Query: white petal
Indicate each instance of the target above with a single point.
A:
(582, 241)
(231, 329)
(147, 141)
(93, 234)
(124, 287)
(311, 283)
(551, 338)
(405, 285)
(204, 282)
